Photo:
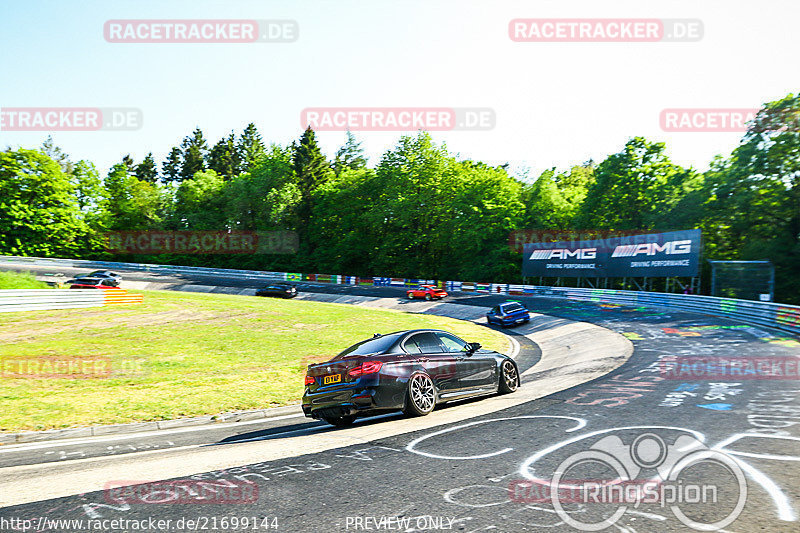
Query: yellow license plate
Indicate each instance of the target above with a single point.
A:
(327, 380)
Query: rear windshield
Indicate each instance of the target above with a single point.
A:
(370, 346)
(510, 308)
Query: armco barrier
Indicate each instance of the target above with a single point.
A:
(782, 317)
(12, 300)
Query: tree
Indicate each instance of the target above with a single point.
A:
(146, 170)
(199, 202)
(311, 170)
(753, 207)
(553, 200)
(224, 157)
(266, 197)
(129, 163)
(130, 204)
(171, 168)
(250, 147)
(55, 153)
(636, 189)
(194, 154)
(88, 185)
(350, 155)
(39, 214)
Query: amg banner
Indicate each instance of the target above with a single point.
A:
(675, 253)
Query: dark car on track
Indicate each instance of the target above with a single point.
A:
(282, 290)
(103, 274)
(412, 371)
(91, 283)
(508, 314)
(426, 292)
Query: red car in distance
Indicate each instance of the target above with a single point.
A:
(426, 292)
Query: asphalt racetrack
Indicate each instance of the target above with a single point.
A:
(489, 472)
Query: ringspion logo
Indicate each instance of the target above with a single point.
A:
(704, 488)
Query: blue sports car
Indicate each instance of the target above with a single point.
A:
(508, 314)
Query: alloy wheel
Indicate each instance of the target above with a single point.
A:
(509, 377)
(422, 392)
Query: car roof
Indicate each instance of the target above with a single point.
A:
(423, 330)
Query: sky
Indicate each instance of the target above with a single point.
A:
(555, 103)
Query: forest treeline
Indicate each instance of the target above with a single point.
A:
(420, 211)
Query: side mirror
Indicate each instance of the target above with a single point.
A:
(473, 347)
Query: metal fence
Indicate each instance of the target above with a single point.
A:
(773, 315)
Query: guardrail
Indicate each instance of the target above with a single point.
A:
(773, 315)
(12, 300)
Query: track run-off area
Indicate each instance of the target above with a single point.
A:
(594, 389)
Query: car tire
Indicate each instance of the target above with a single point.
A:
(427, 297)
(410, 296)
(340, 421)
(420, 395)
(509, 377)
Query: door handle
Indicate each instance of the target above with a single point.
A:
(423, 359)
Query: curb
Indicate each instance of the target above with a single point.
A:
(138, 427)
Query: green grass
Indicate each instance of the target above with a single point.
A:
(20, 280)
(185, 354)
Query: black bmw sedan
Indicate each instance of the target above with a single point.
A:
(412, 371)
(282, 290)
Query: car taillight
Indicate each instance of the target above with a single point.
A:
(370, 367)
(309, 380)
